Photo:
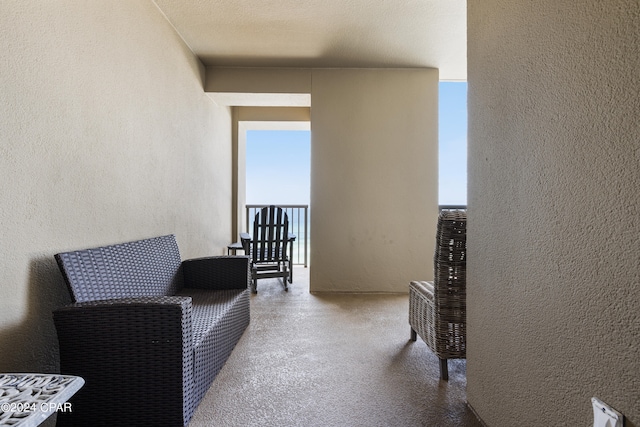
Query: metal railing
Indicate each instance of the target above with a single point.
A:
(451, 207)
(298, 225)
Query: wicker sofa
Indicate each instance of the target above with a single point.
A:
(147, 332)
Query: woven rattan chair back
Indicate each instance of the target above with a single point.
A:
(450, 269)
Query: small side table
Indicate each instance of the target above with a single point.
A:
(234, 247)
(26, 400)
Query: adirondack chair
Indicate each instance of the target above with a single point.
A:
(268, 245)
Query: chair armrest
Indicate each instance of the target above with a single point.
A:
(162, 300)
(150, 319)
(245, 238)
(217, 273)
(135, 355)
(425, 289)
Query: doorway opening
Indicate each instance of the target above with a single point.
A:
(278, 166)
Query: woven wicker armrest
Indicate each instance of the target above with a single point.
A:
(217, 273)
(135, 355)
(129, 316)
(425, 288)
(164, 300)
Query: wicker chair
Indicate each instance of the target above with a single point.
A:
(437, 310)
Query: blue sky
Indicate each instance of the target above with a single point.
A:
(452, 130)
(270, 182)
(278, 165)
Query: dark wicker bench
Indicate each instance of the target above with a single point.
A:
(147, 332)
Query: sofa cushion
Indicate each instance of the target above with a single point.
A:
(219, 319)
(209, 308)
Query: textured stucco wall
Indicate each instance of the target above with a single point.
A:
(106, 135)
(554, 218)
(374, 196)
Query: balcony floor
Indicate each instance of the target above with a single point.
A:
(332, 360)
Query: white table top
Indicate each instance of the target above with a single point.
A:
(26, 400)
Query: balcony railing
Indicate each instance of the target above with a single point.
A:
(298, 224)
(451, 207)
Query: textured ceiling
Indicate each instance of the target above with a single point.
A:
(325, 33)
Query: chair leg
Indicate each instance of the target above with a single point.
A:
(291, 261)
(414, 335)
(444, 370)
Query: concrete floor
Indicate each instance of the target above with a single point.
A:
(332, 360)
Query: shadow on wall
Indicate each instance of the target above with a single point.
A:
(32, 346)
